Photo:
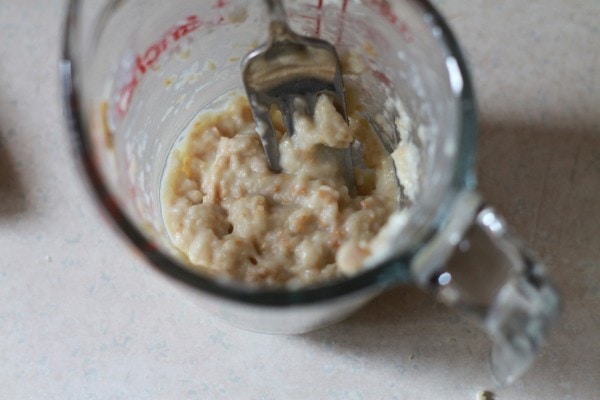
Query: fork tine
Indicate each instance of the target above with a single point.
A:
(286, 106)
(311, 103)
(339, 93)
(266, 131)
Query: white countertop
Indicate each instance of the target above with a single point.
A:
(82, 318)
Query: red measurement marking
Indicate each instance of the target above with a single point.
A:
(386, 11)
(148, 58)
(319, 8)
(383, 78)
(219, 5)
(128, 180)
(342, 18)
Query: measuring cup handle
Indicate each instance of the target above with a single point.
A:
(477, 266)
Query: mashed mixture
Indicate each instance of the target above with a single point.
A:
(231, 216)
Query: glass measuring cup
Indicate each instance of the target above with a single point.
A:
(136, 72)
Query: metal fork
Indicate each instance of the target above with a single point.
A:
(288, 68)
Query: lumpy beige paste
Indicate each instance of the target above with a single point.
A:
(231, 216)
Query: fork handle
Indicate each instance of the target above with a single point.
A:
(279, 26)
(276, 10)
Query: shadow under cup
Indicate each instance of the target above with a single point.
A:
(137, 72)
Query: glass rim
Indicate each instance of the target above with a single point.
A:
(390, 271)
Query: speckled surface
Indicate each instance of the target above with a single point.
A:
(82, 318)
